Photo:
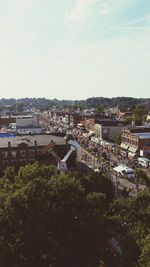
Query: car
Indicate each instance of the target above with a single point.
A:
(144, 162)
(96, 170)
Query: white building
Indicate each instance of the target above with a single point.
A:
(26, 121)
(27, 124)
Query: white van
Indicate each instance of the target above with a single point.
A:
(144, 162)
(125, 171)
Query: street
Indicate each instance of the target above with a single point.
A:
(120, 182)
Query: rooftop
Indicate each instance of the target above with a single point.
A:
(139, 129)
(121, 168)
(111, 122)
(143, 135)
(41, 139)
(18, 116)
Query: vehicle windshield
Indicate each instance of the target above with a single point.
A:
(130, 173)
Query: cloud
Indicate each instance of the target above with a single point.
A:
(86, 9)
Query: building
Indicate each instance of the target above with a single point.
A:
(29, 130)
(123, 113)
(66, 118)
(6, 120)
(148, 118)
(20, 120)
(89, 124)
(108, 129)
(110, 113)
(27, 120)
(135, 139)
(27, 124)
(143, 140)
(18, 150)
(75, 118)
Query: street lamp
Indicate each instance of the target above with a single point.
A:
(94, 161)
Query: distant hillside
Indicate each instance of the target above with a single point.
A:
(43, 103)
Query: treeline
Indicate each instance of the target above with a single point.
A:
(43, 103)
(69, 220)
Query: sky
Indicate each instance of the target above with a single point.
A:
(74, 49)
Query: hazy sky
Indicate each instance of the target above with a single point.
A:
(74, 49)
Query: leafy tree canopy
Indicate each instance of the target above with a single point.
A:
(52, 219)
(58, 220)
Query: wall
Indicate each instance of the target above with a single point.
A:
(112, 131)
(144, 142)
(29, 130)
(98, 130)
(107, 132)
(27, 121)
(5, 121)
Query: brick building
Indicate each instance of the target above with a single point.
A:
(75, 118)
(21, 150)
(123, 113)
(6, 120)
(89, 124)
(71, 118)
(134, 140)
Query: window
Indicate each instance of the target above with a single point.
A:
(32, 153)
(13, 154)
(23, 153)
(4, 154)
(39, 152)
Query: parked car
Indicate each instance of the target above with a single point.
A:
(144, 162)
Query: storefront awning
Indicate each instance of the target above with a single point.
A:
(133, 149)
(124, 146)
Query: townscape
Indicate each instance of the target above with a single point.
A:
(75, 133)
(109, 137)
(98, 142)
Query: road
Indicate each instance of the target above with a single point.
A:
(119, 181)
(86, 157)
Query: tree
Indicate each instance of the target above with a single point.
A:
(138, 114)
(52, 219)
(140, 110)
(99, 111)
(97, 182)
(129, 120)
(1, 107)
(145, 254)
(19, 107)
(118, 138)
(133, 215)
(58, 220)
(143, 177)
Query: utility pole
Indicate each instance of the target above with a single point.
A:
(137, 184)
(116, 185)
